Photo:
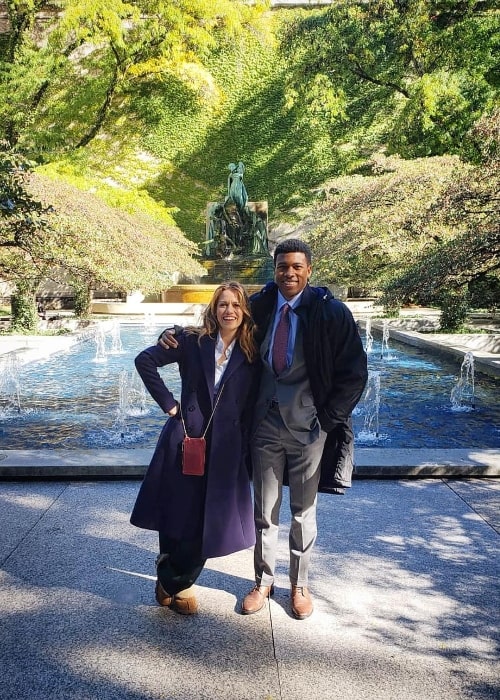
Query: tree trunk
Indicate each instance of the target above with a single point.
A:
(101, 114)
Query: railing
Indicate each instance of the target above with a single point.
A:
(275, 4)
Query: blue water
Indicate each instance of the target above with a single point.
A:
(73, 401)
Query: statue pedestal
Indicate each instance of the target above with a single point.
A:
(197, 293)
(248, 269)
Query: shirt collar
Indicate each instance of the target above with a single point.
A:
(292, 303)
(219, 346)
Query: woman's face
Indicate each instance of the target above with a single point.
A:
(228, 311)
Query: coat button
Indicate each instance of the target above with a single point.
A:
(191, 408)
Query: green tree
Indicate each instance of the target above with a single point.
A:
(23, 226)
(93, 49)
(49, 229)
(371, 226)
(26, 65)
(435, 64)
(469, 207)
(99, 245)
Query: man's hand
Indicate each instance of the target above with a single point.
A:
(167, 339)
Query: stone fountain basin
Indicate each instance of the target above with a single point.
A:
(372, 462)
(484, 346)
(488, 342)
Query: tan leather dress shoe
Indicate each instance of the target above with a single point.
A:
(256, 599)
(302, 605)
(162, 597)
(185, 602)
(185, 606)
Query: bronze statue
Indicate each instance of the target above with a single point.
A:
(236, 226)
(235, 188)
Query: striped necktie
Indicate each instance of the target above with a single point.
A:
(280, 344)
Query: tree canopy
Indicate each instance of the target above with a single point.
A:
(468, 210)
(370, 225)
(110, 246)
(385, 108)
(51, 229)
(88, 53)
(433, 64)
(421, 230)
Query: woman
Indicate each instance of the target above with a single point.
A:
(198, 517)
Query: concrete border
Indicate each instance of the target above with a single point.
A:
(452, 345)
(372, 463)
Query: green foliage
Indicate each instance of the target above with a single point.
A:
(145, 103)
(484, 292)
(70, 105)
(466, 216)
(94, 51)
(83, 299)
(19, 211)
(442, 107)
(99, 244)
(23, 231)
(444, 268)
(51, 229)
(372, 225)
(422, 230)
(482, 142)
(243, 116)
(23, 307)
(436, 63)
(115, 184)
(454, 308)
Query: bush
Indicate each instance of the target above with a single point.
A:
(454, 306)
(83, 300)
(24, 313)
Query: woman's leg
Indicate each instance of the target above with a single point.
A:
(179, 564)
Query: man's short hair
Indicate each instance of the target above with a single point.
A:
(292, 245)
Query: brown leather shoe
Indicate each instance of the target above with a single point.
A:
(302, 605)
(185, 606)
(162, 597)
(256, 599)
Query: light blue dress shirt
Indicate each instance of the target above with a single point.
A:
(292, 303)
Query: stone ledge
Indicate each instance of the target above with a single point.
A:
(372, 463)
(454, 345)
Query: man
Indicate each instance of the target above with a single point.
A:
(314, 371)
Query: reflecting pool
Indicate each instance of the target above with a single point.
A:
(91, 397)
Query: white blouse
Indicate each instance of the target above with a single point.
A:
(221, 359)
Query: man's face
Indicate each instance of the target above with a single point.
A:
(291, 273)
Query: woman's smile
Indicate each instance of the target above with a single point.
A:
(229, 313)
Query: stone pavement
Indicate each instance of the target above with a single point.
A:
(405, 581)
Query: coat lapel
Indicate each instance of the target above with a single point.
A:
(264, 348)
(207, 353)
(237, 358)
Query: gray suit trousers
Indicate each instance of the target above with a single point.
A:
(274, 449)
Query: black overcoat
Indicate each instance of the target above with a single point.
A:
(337, 369)
(218, 506)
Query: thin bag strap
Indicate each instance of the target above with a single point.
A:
(209, 420)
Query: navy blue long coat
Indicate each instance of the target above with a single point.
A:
(217, 506)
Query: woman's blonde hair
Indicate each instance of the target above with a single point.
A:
(245, 332)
